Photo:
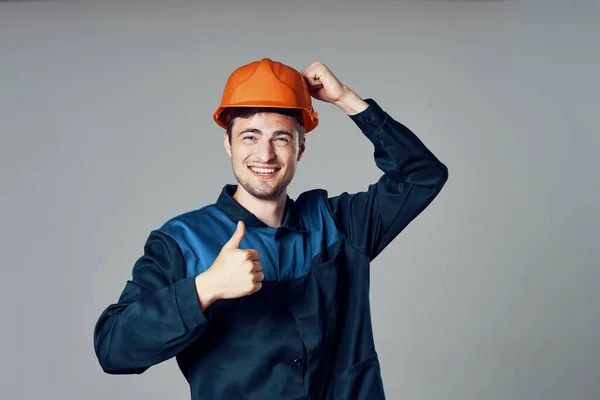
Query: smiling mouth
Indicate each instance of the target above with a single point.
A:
(264, 172)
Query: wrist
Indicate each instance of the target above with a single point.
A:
(205, 290)
(350, 102)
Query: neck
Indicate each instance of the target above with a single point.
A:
(270, 212)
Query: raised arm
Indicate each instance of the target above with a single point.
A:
(412, 177)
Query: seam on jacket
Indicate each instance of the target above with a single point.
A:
(384, 236)
(324, 195)
(179, 250)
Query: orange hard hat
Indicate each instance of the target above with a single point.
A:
(267, 83)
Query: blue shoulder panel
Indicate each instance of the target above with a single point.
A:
(285, 254)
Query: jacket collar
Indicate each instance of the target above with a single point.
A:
(236, 212)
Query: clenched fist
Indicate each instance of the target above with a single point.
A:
(325, 86)
(234, 273)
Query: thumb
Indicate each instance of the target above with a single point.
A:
(237, 236)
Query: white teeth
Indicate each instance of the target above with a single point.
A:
(264, 170)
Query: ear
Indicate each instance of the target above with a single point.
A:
(226, 143)
(302, 147)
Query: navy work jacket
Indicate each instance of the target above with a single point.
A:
(307, 334)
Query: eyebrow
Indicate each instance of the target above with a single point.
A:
(280, 132)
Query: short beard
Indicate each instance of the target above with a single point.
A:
(272, 194)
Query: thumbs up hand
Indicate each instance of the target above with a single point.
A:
(234, 273)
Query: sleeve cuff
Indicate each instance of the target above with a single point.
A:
(188, 303)
(370, 119)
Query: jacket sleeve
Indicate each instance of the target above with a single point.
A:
(157, 315)
(412, 177)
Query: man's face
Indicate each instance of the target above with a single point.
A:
(264, 152)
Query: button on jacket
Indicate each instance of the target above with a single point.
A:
(307, 333)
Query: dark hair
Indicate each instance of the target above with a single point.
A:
(246, 112)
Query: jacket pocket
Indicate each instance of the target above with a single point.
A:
(362, 381)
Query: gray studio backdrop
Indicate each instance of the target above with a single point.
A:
(492, 293)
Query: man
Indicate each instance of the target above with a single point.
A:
(259, 296)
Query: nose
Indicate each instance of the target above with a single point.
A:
(265, 150)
